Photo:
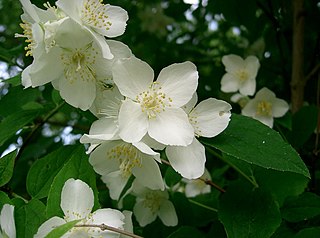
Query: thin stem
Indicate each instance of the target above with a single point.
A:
(36, 127)
(104, 227)
(202, 205)
(252, 181)
(207, 181)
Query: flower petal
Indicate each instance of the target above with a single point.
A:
(252, 65)
(48, 226)
(109, 217)
(233, 63)
(144, 148)
(171, 127)
(179, 82)
(279, 107)
(143, 214)
(78, 93)
(7, 224)
(189, 160)
(101, 161)
(267, 120)
(248, 88)
(115, 183)
(210, 117)
(229, 83)
(76, 199)
(148, 173)
(167, 214)
(191, 104)
(127, 223)
(132, 76)
(71, 8)
(133, 123)
(118, 17)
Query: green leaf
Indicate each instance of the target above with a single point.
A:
(172, 177)
(16, 98)
(43, 171)
(78, 167)
(248, 213)
(11, 124)
(313, 232)
(4, 199)
(29, 217)
(249, 140)
(14, 81)
(6, 167)
(301, 208)
(186, 231)
(61, 230)
(280, 184)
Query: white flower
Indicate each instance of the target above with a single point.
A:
(195, 187)
(154, 107)
(100, 19)
(241, 74)
(73, 65)
(265, 106)
(151, 204)
(77, 201)
(209, 118)
(33, 24)
(7, 225)
(117, 160)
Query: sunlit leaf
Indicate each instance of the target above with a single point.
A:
(249, 140)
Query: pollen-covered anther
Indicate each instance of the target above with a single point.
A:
(128, 157)
(264, 109)
(94, 14)
(79, 64)
(27, 33)
(153, 101)
(153, 201)
(243, 75)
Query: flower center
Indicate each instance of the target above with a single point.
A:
(264, 109)
(153, 201)
(79, 63)
(242, 75)
(128, 156)
(94, 14)
(27, 33)
(153, 101)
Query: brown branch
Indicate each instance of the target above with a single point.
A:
(209, 182)
(104, 227)
(298, 80)
(312, 72)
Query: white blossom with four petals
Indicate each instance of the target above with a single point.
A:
(151, 204)
(155, 107)
(241, 74)
(265, 106)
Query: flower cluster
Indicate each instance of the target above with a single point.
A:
(241, 75)
(138, 116)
